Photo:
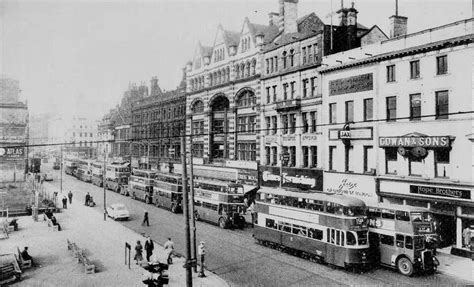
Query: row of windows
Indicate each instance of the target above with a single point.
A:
(247, 151)
(245, 43)
(246, 123)
(349, 164)
(159, 114)
(156, 150)
(418, 166)
(289, 90)
(309, 55)
(198, 127)
(288, 121)
(80, 134)
(441, 68)
(442, 108)
(219, 54)
(310, 156)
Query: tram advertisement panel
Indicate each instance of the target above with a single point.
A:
(292, 177)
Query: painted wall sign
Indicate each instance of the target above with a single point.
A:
(353, 84)
(306, 179)
(13, 152)
(441, 191)
(411, 141)
(352, 134)
(359, 186)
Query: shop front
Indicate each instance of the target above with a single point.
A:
(452, 204)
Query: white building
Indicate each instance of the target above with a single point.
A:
(407, 105)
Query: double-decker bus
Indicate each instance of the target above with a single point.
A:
(401, 237)
(219, 202)
(316, 226)
(97, 174)
(70, 167)
(116, 176)
(140, 185)
(84, 170)
(168, 192)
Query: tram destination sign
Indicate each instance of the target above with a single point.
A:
(441, 191)
(353, 84)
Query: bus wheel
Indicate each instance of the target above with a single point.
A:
(405, 266)
(222, 223)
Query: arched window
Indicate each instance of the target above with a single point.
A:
(292, 57)
(254, 64)
(237, 71)
(247, 73)
(242, 70)
(219, 77)
(228, 74)
(284, 59)
(198, 107)
(211, 79)
(246, 99)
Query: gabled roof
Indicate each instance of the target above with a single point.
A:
(268, 31)
(231, 37)
(375, 27)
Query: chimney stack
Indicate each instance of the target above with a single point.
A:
(398, 24)
(288, 16)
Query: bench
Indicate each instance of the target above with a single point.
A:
(50, 224)
(89, 268)
(8, 274)
(78, 253)
(23, 263)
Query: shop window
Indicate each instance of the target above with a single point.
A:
(415, 166)
(391, 160)
(442, 156)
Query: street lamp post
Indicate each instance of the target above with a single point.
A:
(61, 167)
(103, 185)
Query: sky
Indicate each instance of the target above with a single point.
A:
(78, 56)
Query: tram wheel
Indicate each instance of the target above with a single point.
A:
(405, 266)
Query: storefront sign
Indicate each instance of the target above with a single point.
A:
(241, 164)
(352, 134)
(308, 138)
(246, 176)
(440, 191)
(353, 84)
(271, 139)
(415, 141)
(359, 186)
(289, 138)
(13, 152)
(305, 179)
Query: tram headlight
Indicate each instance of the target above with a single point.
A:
(418, 259)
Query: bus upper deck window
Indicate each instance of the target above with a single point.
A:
(402, 215)
(374, 212)
(388, 214)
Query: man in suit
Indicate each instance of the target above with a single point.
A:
(149, 246)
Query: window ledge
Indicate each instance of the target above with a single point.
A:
(416, 79)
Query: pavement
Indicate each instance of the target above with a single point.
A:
(104, 244)
(456, 266)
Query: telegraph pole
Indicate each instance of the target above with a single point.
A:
(189, 276)
(61, 166)
(191, 190)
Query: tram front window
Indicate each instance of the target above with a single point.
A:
(351, 238)
(362, 237)
(354, 211)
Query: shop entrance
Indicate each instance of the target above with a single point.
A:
(446, 229)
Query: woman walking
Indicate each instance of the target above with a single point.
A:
(138, 252)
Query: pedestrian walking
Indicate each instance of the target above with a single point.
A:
(88, 198)
(145, 219)
(64, 202)
(149, 246)
(70, 197)
(138, 252)
(202, 254)
(169, 249)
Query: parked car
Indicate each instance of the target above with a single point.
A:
(118, 211)
(48, 177)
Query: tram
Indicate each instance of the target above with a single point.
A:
(140, 185)
(403, 237)
(316, 226)
(168, 192)
(219, 202)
